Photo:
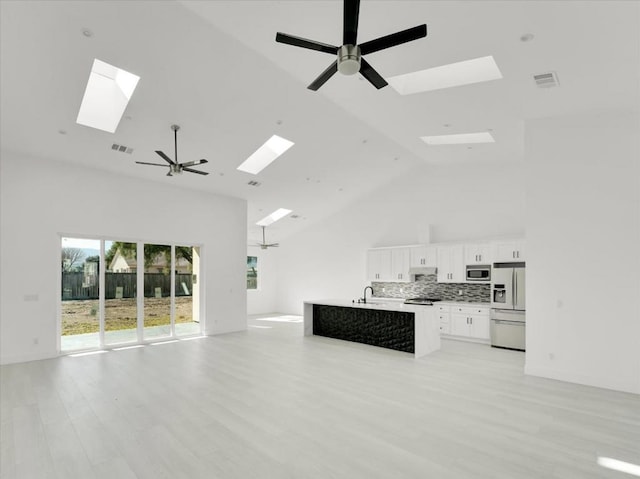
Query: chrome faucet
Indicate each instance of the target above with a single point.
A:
(364, 295)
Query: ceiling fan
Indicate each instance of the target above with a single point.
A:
(350, 59)
(264, 244)
(176, 168)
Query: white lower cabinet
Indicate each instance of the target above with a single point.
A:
(469, 321)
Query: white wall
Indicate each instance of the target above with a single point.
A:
(328, 260)
(39, 199)
(263, 300)
(583, 249)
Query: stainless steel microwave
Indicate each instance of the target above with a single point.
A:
(479, 272)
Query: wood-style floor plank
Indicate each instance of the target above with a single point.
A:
(271, 403)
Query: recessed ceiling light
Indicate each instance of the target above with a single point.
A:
(62, 132)
(527, 37)
(273, 217)
(459, 139)
(87, 33)
(108, 92)
(446, 76)
(267, 153)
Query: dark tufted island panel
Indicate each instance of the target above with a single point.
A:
(386, 329)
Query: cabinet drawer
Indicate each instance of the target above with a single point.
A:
(444, 318)
(444, 309)
(445, 328)
(475, 311)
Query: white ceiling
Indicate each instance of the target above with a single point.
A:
(214, 68)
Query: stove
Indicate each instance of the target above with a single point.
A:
(424, 301)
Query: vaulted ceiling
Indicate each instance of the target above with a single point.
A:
(214, 68)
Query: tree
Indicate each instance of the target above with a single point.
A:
(69, 257)
(151, 251)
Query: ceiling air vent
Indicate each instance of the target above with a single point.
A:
(546, 80)
(254, 183)
(295, 217)
(121, 148)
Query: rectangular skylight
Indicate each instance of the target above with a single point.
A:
(446, 76)
(459, 139)
(267, 153)
(273, 217)
(108, 92)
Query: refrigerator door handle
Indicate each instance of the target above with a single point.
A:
(514, 288)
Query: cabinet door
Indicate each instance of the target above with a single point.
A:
(400, 259)
(479, 327)
(444, 265)
(508, 251)
(423, 256)
(460, 324)
(458, 270)
(379, 265)
(477, 254)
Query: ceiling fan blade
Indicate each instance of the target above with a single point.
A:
(194, 163)
(350, 23)
(304, 43)
(165, 157)
(324, 76)
(195, 171)
(394, 39)
(153, 164)
(370, 74)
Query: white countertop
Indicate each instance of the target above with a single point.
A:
(375, 303)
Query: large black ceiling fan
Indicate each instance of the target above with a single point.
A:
(176, 168)
(350, 59)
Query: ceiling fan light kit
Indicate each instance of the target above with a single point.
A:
(349, 56)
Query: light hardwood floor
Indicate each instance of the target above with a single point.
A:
(270, 403)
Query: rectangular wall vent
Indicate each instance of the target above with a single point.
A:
(121, 148)
(254, 183)
(546, 80)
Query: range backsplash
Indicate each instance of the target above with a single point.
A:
(426, 285)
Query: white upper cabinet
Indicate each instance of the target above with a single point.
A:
(508, 251)
(479, 253)
(379, 265)
(400, 263)
(451, 267)
(423, 256)
(389, 264)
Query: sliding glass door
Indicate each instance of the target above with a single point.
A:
(118, 293)
(80, 294)
(120, 305)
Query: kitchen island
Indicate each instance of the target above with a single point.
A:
(390, 324)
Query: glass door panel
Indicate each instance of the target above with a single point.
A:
(80, 291)
(120, 308)
(157, 291)
(187, 269)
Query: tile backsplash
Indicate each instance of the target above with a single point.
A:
(426, 285)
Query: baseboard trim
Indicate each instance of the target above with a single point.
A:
(586, 380)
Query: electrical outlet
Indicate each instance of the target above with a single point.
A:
(459, 292)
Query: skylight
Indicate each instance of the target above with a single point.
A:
(265, 155)
(108, 92)
(459, 139)
(273, 217)
(446, 76)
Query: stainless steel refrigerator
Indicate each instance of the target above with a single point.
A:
(508, 306)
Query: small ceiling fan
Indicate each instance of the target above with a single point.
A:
(176, 168)
(350, 59)
(264, 244)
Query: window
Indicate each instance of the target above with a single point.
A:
(252, 272)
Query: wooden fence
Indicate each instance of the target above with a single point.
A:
(79, 286)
